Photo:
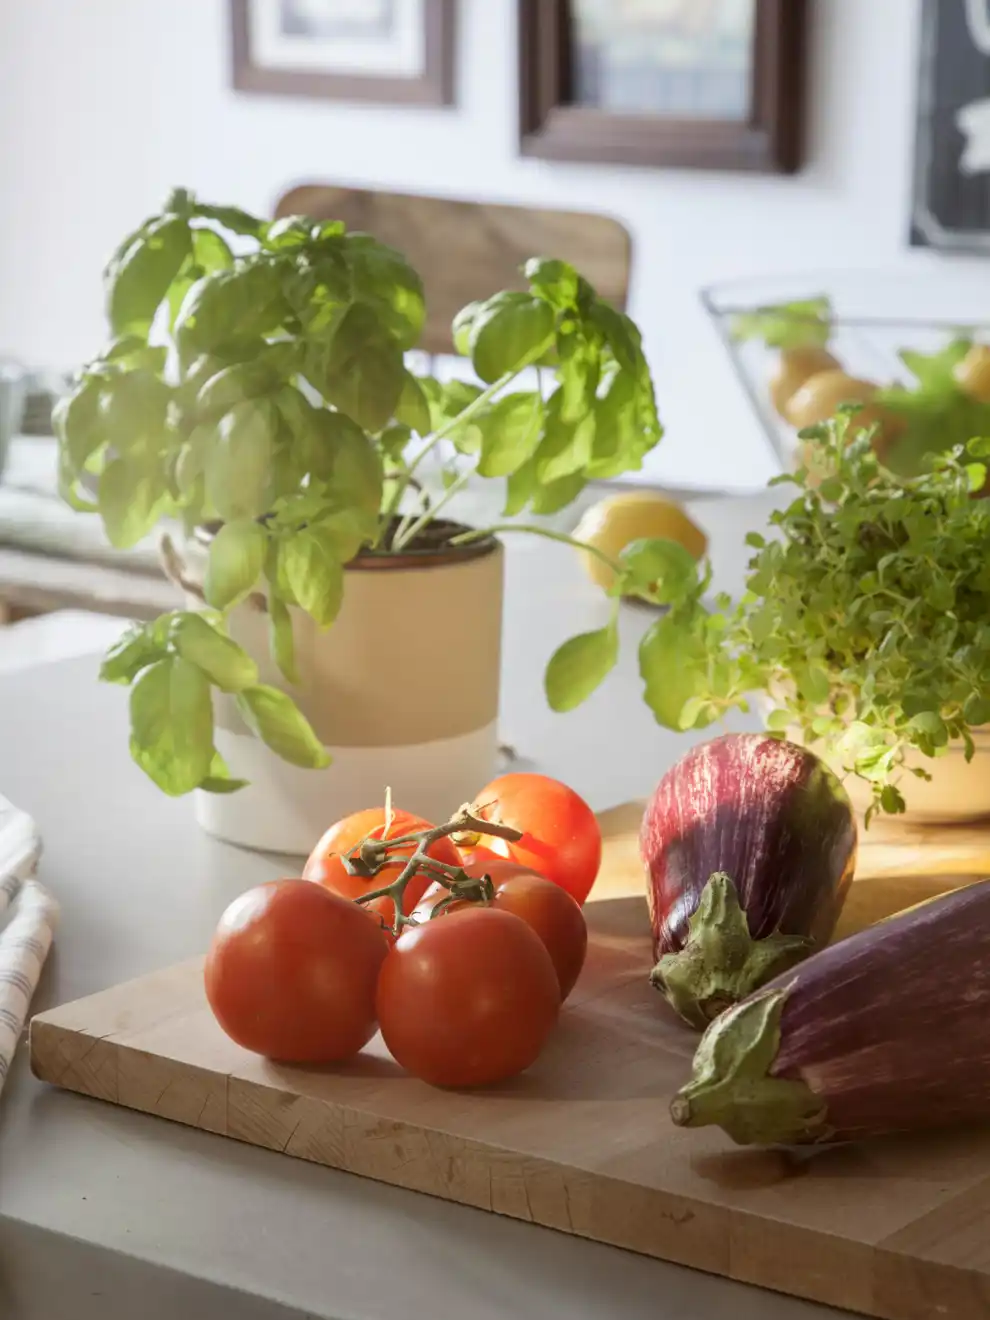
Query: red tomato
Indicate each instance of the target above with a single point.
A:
(292, 972)
(468, 999)
(548, 909)
(325, 865)
(561, 839)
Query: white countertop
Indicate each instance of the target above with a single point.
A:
(111, 1214)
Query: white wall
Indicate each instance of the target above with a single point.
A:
(105, 104)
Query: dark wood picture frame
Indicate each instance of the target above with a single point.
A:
(435, 86)
(770, 140)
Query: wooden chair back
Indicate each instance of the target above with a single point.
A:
(469, 250)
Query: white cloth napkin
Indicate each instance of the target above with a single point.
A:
(28, 915)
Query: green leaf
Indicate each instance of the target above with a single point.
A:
(804, 323)
(139, 283)
(130, 499)
(658, 570)
(273, 717)
(138, 646)
(977, 710)
(224, 663)
(219, 780)
(892, 800)
(579, 374)
(413, 408)
(235, 384)
(779, 721)
(281, 639)
(77, 422)
(234, 219)
(134, 409)
(364, 374)
(976, 476)
(520, 488)
(556, 495)
(813, 684)
(979, 446)
(931, 724)
(696, 712)
(672, 663)
(566, 448)
(356, 475)
(578, 667)
(382, 278)
(316, 577)
(172, 725)
(510, 331)
(461, 327)
(238, 463)
(556, 281)
(242, 303)
(510, 433)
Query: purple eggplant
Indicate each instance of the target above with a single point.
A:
(749, 844)
(884, 1032)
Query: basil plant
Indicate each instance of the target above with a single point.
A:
(255, 383)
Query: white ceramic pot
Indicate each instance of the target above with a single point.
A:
(958, 791)
(402, 690)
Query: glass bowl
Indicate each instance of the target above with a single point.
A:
(883, 328)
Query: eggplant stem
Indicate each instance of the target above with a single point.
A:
(732, 1086)
(720, 962)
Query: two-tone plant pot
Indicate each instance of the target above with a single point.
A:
(402, 689)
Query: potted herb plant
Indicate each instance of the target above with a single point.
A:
(864, 628)
(255, 396)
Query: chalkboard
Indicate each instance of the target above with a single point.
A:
(951, 203)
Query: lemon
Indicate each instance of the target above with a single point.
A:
(612, 523)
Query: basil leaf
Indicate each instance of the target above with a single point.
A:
(130, 499)
(509, 331)
(222, 661)
(355, 466)
(566, 447)
(556, 281)
(274, 718)
(236, 559)
(579, 373)
(557, 495)
(510, 433)
(134, 408)
(382, 278)
(238, 463)
(461, 327)
(232, 385)
(241, 303)
(364, 373)
(172, 725)
(138, 646)
(234, 219)
(141, 280)
(672, 664)
(413, 408)
(310, 562)
(579, 666)
(281, 640)
(519, 490)
(658, 570)
(77, 422)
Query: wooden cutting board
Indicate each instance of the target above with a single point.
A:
(582, 1142)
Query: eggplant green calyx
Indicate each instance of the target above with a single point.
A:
(731, 1085)
(721, 963)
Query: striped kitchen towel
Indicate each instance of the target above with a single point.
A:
(28, 915)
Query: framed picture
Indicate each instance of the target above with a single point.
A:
(951, 200)
(709, 84)
(369, 50)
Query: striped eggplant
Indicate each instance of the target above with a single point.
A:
(884, 1032)
(749, 844)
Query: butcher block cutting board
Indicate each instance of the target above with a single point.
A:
(582, 1142)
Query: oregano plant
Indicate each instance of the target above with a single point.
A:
(256, 384)
(866, 616)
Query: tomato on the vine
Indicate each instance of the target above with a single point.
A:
(549, 910)
(468, 999)
(292, 973)
(326, 867)
(561, 838)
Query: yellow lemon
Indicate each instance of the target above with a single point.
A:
(612, 523)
